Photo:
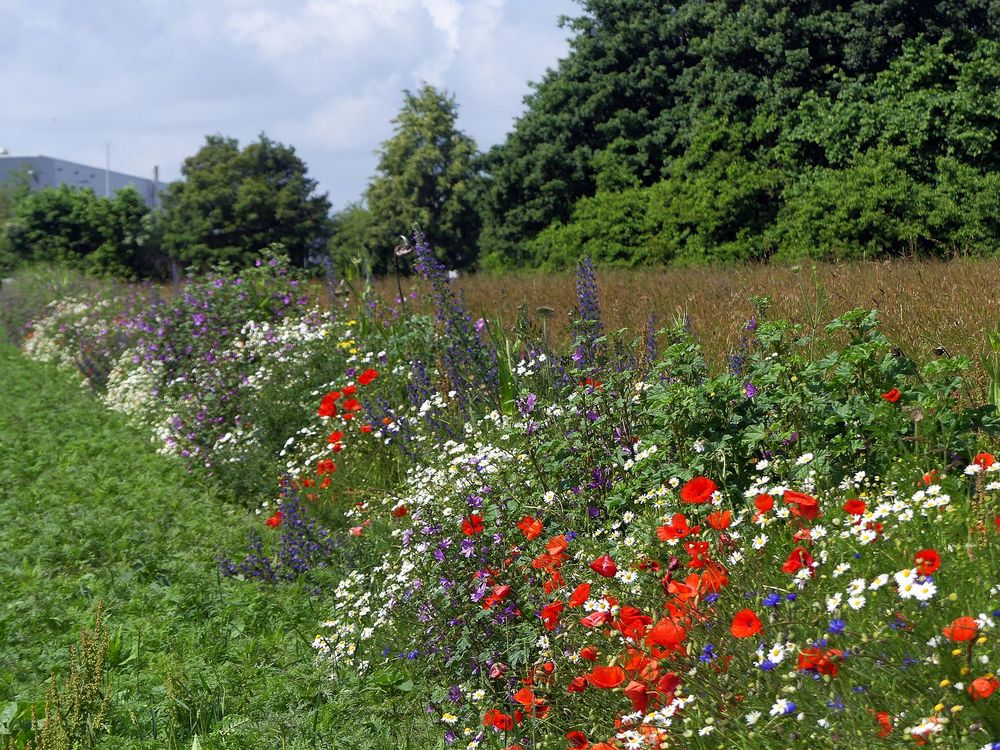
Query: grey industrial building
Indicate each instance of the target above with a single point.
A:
(44, 172)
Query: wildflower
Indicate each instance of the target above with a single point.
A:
(367, 376)
(745, 624)
(802, 505)
(961, 629)
(472, 525)
(275, 520)
(606, 677)
(855, 507)
(530, 527)
(928, 561)
(984, 460)
(698, 490)
(891, 396)
(604, 566)
(580, 594)
(782, 707)
(983, 687)
(837, 627)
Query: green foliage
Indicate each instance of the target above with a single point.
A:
(188, 655)
(233, 203)
(425, 179)
(78, 229)
(12, 192)
(875, 91)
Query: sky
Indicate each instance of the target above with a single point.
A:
(152, 78)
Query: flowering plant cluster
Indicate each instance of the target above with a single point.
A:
(610, 546)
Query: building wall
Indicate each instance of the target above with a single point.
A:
(44, 171)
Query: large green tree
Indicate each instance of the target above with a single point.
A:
(232, 203)
(426, 177)
(654, 75)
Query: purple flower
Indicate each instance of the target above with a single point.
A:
(750, 390)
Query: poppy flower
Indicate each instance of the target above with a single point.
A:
(928, 561)
(577, 685)
(745, 624)
(984, 460)
(606, 677)
(351, 404)
(526, 697)
(530, 527)
(580, 594)
(328, 406)
(638, 694)
(720, 519)
(983, 687)
(798, 558)
(891, 396)
(698, 490)
(472, 525)
(961, 629)
(498, 594)
(855, 507)
(884, 723)
(677, 529)
(335, 437)
(550, 615)
(764, 503)
(632, 622)
(802, 505)
(577, 740)
(589, 653)
(604, 566)
(666, 636)
(367, 376)
(350, 390)
(365, 428)
(275, 520)
(595, 619)
(399, 511)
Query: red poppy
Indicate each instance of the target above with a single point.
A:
(665, 637)
(720, 519)
(550, 615)
(798, 559)
(589, 653)
(855, 507)
(678, 529)
(530, 527)
(526, 697)
(745, 624)
(638, 694)
(983, 687)
(328, 406)
(580, 594)
(472, 525)
(984, 460)
(350, 390)
(351, 404)
(275, 520)
(577, 685)
(961, 629)
(606, 677)
(632, 622)
(604, 566)
(802, 505)
(367, 376)
(884, 723)
(928, 561)
(365, 428)
(577, 740)
(498, 720)
(698, 490)
(764, 503)
(399, 511)
(820, 662)
(930, 477)
(335, 437)
(498, 594)
(892, 396)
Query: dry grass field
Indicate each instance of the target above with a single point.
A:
(925, 306)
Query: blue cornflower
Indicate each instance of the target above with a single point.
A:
(837, 704)
(837, 627)
(767, 665)
(772, 600)
(707, 653)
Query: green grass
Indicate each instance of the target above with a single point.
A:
(90, 512)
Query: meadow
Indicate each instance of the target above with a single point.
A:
(766, 514)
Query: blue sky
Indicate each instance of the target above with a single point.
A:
(154, 77)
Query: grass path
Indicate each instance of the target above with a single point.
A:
(90, 512)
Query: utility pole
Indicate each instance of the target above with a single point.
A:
(107, 169)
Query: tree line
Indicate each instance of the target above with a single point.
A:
(671, 132)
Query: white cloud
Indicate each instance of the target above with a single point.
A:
(326, 76)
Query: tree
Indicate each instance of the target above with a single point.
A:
(13, 190)
(233, 203)
(652, 73)
(76, 228)
(426, 177)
